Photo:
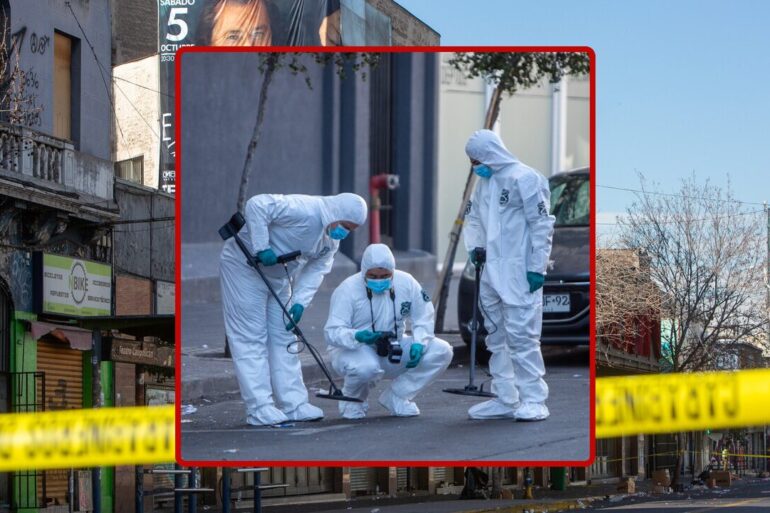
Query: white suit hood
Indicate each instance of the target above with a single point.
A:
(377, 255)
(486, 147)
(343, 207)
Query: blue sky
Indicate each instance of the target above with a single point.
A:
(682, 86)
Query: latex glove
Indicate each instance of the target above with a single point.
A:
(296, 314)
(535, 280)
(368, 336)
(415, 355)
(267, 257)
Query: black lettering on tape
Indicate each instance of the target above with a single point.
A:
(733, 400)
(693, 403)
(673, 389)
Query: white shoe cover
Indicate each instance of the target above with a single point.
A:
(305, 412)
(398, 406)
(353, 410)
(492, 409)
(266, 415)
(531, 411)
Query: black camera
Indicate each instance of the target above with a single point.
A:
(481, 255)
(387, 345)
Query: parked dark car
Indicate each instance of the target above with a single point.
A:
(566, 297)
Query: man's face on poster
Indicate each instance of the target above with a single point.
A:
(238, 23)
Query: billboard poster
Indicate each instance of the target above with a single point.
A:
(252, 23)
(71, 286)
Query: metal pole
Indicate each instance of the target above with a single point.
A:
(177, 495)
(226, 490)
(192, 498)
(98, 402)
(139, 486)
(767, 305)
(257, 492)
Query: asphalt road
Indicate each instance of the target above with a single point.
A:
(751, 495)
(443, 432)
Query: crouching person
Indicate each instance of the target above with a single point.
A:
(365, 308)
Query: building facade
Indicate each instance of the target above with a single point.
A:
(86, 267)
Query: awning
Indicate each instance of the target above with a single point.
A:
(77, 338)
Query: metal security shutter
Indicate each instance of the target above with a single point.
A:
(402, 479)
(63, 368)
(439, 474)
(363, 479)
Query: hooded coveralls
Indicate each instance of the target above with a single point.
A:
(509, 216)
(359, 364)
(270, 377)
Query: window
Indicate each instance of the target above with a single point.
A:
(131, 169)
(570, 196)
(62, 87)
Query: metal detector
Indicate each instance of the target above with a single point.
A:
(471, 388)
(231, 229)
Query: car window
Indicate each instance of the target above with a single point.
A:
(570, 200)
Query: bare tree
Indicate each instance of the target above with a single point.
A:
(706, 255)
(627, 300)
(17, 104)
(344, 62)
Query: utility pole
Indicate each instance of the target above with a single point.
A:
(767, 305)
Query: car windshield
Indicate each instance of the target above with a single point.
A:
(570, 196)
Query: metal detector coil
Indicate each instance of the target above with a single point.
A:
(230, 230)
(471, 388)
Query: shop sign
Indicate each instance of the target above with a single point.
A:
(72, 286)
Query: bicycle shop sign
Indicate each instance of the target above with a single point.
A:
(71, 286)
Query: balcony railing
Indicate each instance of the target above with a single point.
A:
(31, 154)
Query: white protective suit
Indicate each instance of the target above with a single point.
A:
(359, 363)
(270, 377)
(509, 216)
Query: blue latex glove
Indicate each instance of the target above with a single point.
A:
(296, 314)
(535, 280)
(267, 257)
(415, 355)
(367, 336)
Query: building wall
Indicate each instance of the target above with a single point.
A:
(133, 296)
(313, 141)
(406, 29)
(144, 248)
(33, 25)
(137, 114)
(525, 125)
(135, 30)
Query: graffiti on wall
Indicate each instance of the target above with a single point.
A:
(25, 107)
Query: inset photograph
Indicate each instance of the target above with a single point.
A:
(385, 256)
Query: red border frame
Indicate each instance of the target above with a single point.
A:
(178, 255)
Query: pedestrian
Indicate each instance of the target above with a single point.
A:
(508, 216)
(268, 370)
(364, 308)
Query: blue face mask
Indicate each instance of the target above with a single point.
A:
(482, 170)
(378, 286)
(339, 232)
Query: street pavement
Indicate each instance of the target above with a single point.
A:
(218, 431)
(748, 495)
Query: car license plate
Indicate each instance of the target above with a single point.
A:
(554, 303)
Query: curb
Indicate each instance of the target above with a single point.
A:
(539, 507)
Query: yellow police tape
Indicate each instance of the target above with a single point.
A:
(83, 438)
(668, 403)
